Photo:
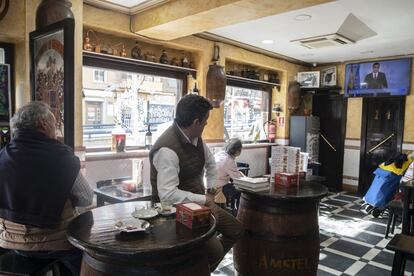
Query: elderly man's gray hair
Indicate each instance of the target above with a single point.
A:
(30, 115)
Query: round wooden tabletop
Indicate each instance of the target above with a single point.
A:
(95, 232)
(306, 190)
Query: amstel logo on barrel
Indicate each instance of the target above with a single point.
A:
(291, 264)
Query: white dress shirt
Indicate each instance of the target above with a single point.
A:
(167, 164)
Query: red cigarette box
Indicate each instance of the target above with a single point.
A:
(286, 179)
(193, 215)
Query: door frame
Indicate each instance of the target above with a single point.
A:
(9, 50)
(400, 134)
(341, 145)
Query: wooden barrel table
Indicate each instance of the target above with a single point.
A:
(282, 231)
(169, 248)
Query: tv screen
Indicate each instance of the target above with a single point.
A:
(378, 78)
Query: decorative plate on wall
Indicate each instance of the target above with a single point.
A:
(4, 7)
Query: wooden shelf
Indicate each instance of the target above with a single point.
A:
(322, 90)
(252, 81)
(143, 63)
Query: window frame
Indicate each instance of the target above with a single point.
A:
(9, 58)
(105, 76)
(240, 83)
(140, 67)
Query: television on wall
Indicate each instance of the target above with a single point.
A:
(378, 78)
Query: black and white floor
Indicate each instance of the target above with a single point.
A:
(352, 243)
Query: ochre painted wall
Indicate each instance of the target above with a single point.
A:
(202, 53)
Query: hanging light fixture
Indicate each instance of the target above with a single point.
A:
(216, 80)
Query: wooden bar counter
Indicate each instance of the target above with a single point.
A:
(282, 231)
(169, 248)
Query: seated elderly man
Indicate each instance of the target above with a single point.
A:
(40, 184)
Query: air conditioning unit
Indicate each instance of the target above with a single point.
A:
(323, 41)
(350, 31)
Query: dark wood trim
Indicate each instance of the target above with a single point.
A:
(349, 188)
(352, 147)
(408, 142)
(9, 55)
(354, 139)
(139, 66)
(68, 27)
(245, 82)
(350, 177)
(326, 90)
(123, 63)
(362, 155)
(341, 146)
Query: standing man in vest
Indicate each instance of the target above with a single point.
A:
(40, 184)
(180, 160)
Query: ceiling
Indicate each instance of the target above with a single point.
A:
(127, 3)
(391, 20)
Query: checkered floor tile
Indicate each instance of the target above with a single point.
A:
(352, 243)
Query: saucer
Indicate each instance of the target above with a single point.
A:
(144, 213)
(132, 225)
(166, 213)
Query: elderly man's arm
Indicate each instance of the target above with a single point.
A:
(81, 194)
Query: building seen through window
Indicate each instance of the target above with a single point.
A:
(99, 75)
(245, 112)
(128, 100)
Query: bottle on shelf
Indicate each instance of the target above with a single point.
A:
(195, 90)
(148, 138)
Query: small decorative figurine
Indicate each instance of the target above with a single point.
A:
(175, 62)
(164, 57)
(87, 46)
(184, 62)
(136, 52)
(150, 57)
(123, 51)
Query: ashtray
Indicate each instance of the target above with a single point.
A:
(144, 213)
(132, 225)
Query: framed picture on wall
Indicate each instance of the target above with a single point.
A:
(309, 79)
(52, 74)
(5, 94)
(328, 77)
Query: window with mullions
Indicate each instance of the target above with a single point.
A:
(245, 112)
(99, 75)
(128, 100)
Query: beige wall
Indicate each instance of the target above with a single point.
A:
(202, 53)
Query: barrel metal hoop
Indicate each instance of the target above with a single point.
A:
(280, 208)
(279, 238)
(119, 269)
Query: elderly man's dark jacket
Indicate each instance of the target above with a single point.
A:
(36, 177)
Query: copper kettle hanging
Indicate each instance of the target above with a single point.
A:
(216, 80)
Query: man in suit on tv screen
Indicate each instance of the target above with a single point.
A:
(376, 79)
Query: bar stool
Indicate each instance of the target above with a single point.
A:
(403, 246)
(395, 213)
(12, 263)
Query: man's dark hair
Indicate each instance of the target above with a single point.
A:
(191, 107)
(376, 63)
